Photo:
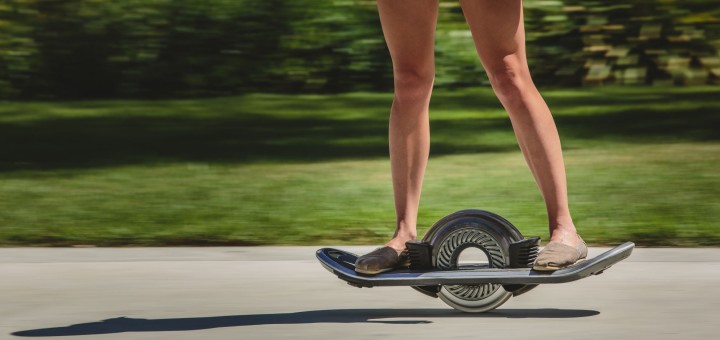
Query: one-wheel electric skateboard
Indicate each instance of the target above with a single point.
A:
(435, 269)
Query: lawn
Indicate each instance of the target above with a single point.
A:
(643, 165)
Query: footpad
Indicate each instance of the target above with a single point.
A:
(524, 252)
(340, 263)
(420, 254)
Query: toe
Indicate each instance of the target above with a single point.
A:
(362, 263)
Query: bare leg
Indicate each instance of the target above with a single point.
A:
(499, 34)
(409, 30)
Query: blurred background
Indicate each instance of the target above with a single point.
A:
(246, 122)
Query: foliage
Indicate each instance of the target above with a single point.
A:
(192, 48)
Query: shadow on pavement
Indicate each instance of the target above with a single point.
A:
(406, 316)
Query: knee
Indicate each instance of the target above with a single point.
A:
(510, 80)
(413, 85)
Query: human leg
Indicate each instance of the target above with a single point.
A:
(409, 30)
(499, 35)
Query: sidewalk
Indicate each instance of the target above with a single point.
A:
(282, 292)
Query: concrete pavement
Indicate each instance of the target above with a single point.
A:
(282, 292)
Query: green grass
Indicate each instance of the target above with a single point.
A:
(642, 165)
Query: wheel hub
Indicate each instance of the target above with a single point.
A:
(449, 253)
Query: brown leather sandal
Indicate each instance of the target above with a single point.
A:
(557, 255)
(380, 260)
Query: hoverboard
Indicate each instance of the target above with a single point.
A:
(435, 271)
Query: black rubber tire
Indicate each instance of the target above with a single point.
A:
(481, 229)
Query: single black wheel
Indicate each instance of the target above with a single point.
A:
(465, 229)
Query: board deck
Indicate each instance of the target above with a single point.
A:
(341, 263)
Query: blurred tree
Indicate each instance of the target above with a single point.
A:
(17, 49)
(335, 47)
(181, 48)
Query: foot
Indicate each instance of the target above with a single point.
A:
(558, 255)
(566, 236)
(398, 243)
(379, 260)
(386, 258)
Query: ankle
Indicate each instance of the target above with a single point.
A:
(405, 234)
(563, 221)
(565, 235)
(400, 237)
